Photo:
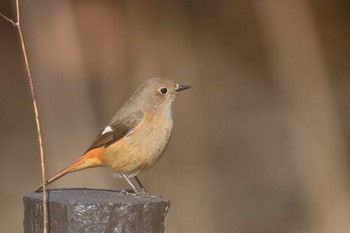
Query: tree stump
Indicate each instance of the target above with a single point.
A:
(95, 211)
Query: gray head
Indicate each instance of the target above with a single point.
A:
(155, 94)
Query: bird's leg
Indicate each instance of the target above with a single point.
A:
(140, 184)
(131, 184)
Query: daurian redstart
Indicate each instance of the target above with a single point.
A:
(137, 135)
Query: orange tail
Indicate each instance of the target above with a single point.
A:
(89, 160)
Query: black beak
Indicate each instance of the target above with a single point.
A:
(182, 87)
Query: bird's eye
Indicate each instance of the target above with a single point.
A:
(163, 90)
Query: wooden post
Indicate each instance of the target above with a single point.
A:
(92, 210)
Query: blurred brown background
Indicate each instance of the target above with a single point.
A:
(261, 141)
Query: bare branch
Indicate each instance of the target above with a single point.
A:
(29, 75)
(9, 20)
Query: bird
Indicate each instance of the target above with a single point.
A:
(136, 137)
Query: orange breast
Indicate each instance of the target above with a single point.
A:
(141, 149)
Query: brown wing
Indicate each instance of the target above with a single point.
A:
(120, 129)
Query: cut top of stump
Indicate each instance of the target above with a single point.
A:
(93, 210)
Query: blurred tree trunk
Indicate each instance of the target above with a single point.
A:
(300, 72)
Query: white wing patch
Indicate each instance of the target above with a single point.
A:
(106, 130)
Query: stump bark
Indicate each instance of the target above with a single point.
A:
(92, 210)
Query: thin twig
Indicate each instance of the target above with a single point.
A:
(38, 128)
(8, 19)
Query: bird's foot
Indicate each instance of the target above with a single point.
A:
(143, 192)
(124, 192)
